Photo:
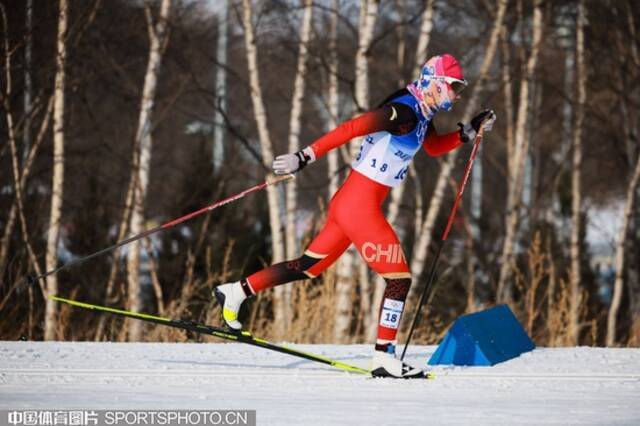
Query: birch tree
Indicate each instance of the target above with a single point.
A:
(576, 190)
(346, 263)
(420, 58)
(344, 267)
(158, 38)
(260, 114)
(397, 193)
(57, 184)
(515, 183)
(508, 97)
(628, 48)
(368, 18)
(621, 243)
(19, 178)
(422, 243)
(28, 77)
(294, 140)
(11, 217)
(221, 86)
(332, 96)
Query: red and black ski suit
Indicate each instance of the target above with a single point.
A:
(355, 215)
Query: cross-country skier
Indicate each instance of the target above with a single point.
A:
(394, 133)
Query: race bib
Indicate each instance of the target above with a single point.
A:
(391, 313)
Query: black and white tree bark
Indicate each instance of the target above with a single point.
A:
(576, 173)
(294, 142)
(425, 231)
(158, 30)
(260, 114)
(368, 16)
(397, 193)
(628, 47)
(521, 147)
(57, 183)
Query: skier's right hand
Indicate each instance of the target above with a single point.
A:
(485, 119)
(291, 163)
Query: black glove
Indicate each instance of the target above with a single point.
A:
(469, 131)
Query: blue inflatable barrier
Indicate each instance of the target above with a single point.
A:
(483, 338)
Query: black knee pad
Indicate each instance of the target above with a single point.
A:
(397, 288)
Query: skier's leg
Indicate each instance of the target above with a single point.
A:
(379, 246)
(328, 245)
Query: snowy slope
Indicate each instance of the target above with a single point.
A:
(547, 386)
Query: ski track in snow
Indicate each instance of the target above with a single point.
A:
(547, 386)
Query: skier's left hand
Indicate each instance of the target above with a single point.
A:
(485, 119)
(291, 163)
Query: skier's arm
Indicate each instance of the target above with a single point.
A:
(436, 145)
(393, 118)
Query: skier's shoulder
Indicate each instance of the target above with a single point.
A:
(402, 99)
(400, 112)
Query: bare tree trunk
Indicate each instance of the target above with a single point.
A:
(18, 180)
(16, 206)
(368, 17)
(344, 268)
(477, 176)
(28, 90)
(158, 37)
(528, 187)
(260, 114)
(294, 144)
(630, 125)
(520, 150)
(332, 156)
(28, 81)
(423, 242)
(632, 132)
(554, 214)
(122, 232)
(508, 97)
(221, 87)
(576, 191)
(620, 256)
(425, 37)
(57, 187)
(401, 31)
(421, 56)
(397, 193)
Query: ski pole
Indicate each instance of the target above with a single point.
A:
(32, 280)
(452, 216)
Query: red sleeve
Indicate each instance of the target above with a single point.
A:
(436, 145)
(369, 122)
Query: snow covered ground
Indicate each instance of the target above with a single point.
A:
(546, 386)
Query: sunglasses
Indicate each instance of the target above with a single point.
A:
(455, 84)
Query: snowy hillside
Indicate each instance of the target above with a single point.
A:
(558, 386)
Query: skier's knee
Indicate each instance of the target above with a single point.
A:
(302, 264)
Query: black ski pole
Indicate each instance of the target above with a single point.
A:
(452, 215)
(32, 280)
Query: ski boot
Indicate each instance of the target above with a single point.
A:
(230, 296)
(385, 364)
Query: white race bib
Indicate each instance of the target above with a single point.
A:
(391, 313)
